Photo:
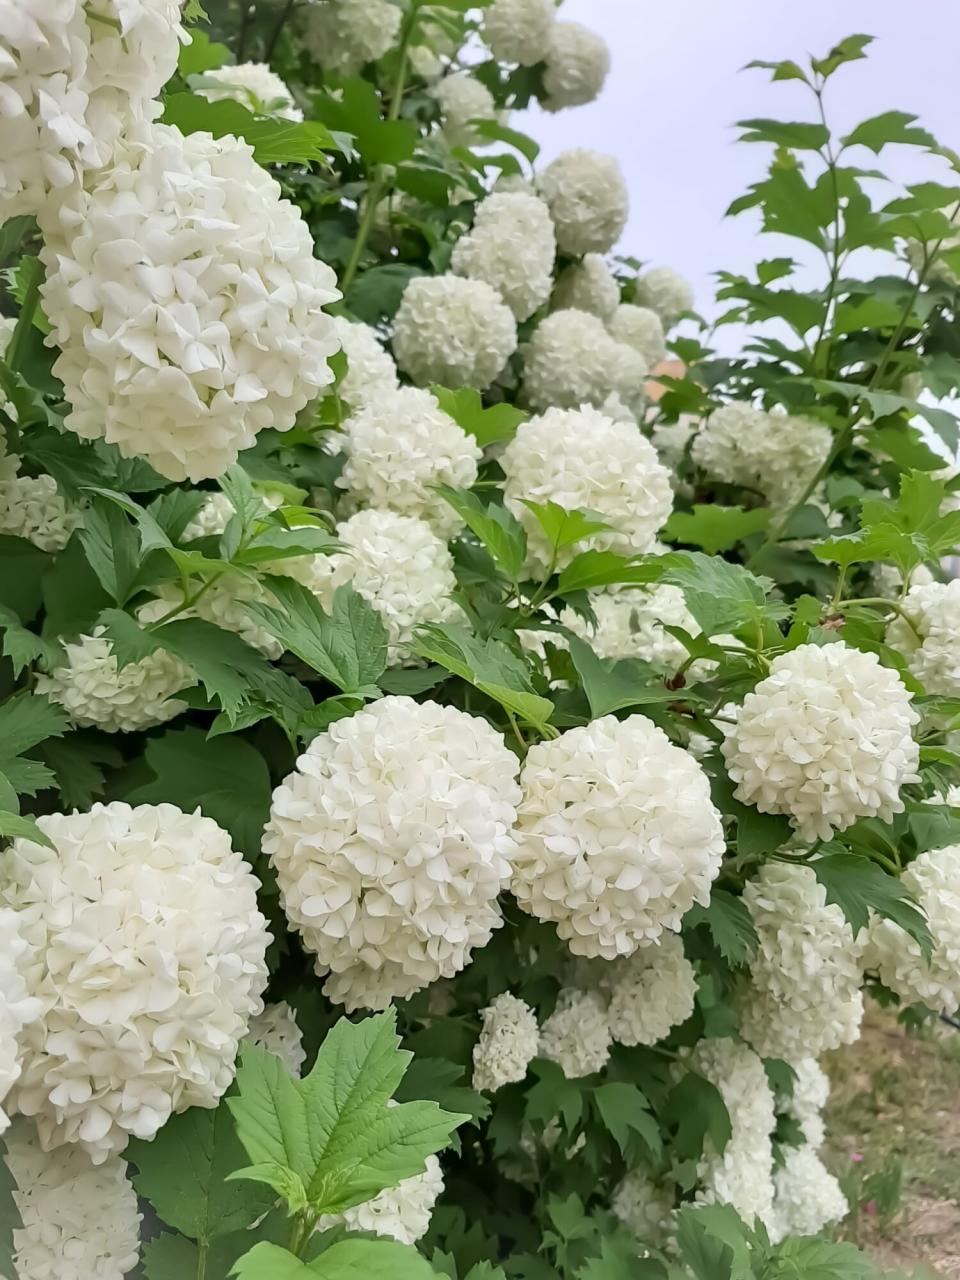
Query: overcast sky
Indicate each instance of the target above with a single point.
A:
(675, 89)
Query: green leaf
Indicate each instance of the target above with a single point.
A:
(605, 568)
(228, 668)
(226, 778)
(723, 597)
(487, 426)
(345, 1260)
(348, 646)
(697, 1109)
(798, 135)
(183, 1173)
(624, 1110)
(333, 1130)
(563, 527)
(130, 642)
(201, 54)
(553, 1096)
(26, 720)
(715, 528)
(890, 126)
(273, 141)
(494, 131)
(857, 885)
(813, 1258)
(169, 1257)
(75, 761)
(781, 70)
(357, 111)
(376, 295)
(850, 49)
(439, 1080)
(714, 1242)
(613, 685)
(112, 548)
(501, 534)
(14, 826)
(24, 647)
(730, 925)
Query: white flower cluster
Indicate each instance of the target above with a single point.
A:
(639, 328)
(587, 285)
(934, 880)
(147, 955)
(463, 99)
(577, 1036)
(743, 1174)
(587, 197)
(630, 624)
(576, 65)
(17, 1008)
(617, 835)
(185, 298)
(644, 1207)
(33, 508)
(72, 75)
(573, 360)
(94, 689)
(508, 1043)
(398, 449)
(80, 1220)
(772, 453)
(930, 640)
(276, 1031)
(518, 30)
(400, 1213)
(805, 978)
(344, 34)
(581, 458)
(454, 331)
(665, 292)
(826, 739)
(371, 372)
(217, 512)
(255, 86)
(811, 1089)
(511, 247)
(222, 604)
(807, 1197)
(432, 46)
(391, 842)
(650, 992)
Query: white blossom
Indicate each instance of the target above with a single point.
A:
(180, 347)
(807, 1197)
(370, 370)
(772, 453)
(811, 1090)
(255, 86)
(576, 65)
(217, 512)
(933, 878)
(640, 328)
(930, 640)
(511, 246)
(643, 1206)
(617, 835)
(508, 1043)
(17, 1008)
(572, 360)
(147, 954)
(344, 34)
(630, 624)
(276, 1031)
(804, 994)
(391, 842)
(32, 507)
(454, 331)
(432, 46)
(826, 739)
(518, 30)
(80, 1220)
(399, 448)
(587, 285)
(588, 201)
(9, 464)
(400, 1213)
(94, 689)
(580, 458)
(650, 992)
(576, 1036)
(222, 603)
(462, 100)
(665, 292)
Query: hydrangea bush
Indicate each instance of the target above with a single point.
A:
(457, 779)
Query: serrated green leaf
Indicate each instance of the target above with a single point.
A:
(605, 568)
(889, 126)
(722, 597)
(613, 685)
(441, 1081)
(345, 1260)
(494, 131)
(501, 534)
(625, 1111)
(813, 1258)
(273, 141)
(23, 646)
(715, 528)
(76, 763)
(27, 720)
(130, 642)
(112, 548)
(850, 49)
(730, 925)
(857, 886)
(201, 54)
(798, 135)
(487, 426)
(562, 527)
(169, 1257)
(714, 1242)
(697, 1109)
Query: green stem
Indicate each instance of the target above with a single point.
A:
(202, 1250)
(881, 602)
(31, 299)
(833, 258)
(298, 1235)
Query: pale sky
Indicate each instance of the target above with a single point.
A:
(675, 89)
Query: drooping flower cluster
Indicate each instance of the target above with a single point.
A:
(826, 739)
(17, 1008)
(255, 86)
(147, 955)
(518, 30)
(511, 247)
(588, 201)
(577, 1036)
(617, 836)
(576, 64)
(391, 843)
(650, 992)
(463, 99)
(454, 331)
(276, 1031)
(811, 1090)
(508, 1043)
(927, 633)
(643, 1206)
(772, 453)
(807, 1197)
(344, 34)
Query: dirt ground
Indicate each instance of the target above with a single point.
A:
(894, 1126)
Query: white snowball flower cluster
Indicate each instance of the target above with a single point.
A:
(94, 689)
(180, 348)
(80, 1220)
(400, 1213)
(454, 331)
(32, 507)
(826, 739)
(617, 835)
(588, 201)
(72, 76)
(344, 34)
(17, 1008)
(650, 992)
(807, 1197)
(930, 641)
(572, 360)
(640, 328)
(581, 458)
(370, 370)
(255, 86)
(518, 30)
(391, 842)
(432, 45)
(398, 449)
(644, 1207)
(811, 1090)
(743, 1174)
(805, 978)
(217, 512)
(934, 880)
(577, 1036)
(630, 624)
(222, 603)
(772, 453)
(400, 565)
(463, 99)
(577, 62)
(511, 246)
(509, 1041)
(148, 958)
(276, 1031)
(665, 292)
(587, 285)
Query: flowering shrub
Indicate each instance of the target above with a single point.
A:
(452, 802)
